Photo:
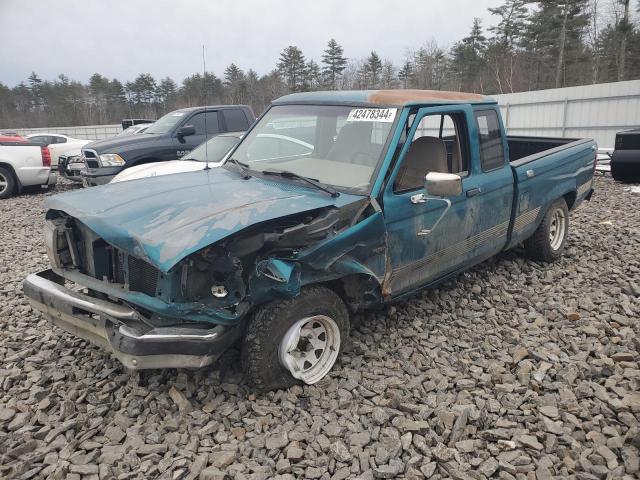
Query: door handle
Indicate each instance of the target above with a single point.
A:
(473, 192)
(418, 198)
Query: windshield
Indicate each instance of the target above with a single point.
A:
(166, 123)
(335, 145)
(212, 151)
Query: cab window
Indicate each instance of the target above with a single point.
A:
(198, 122)
(440, 144)
(490, 139)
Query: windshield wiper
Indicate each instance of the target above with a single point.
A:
(310, 181)
(243, 168)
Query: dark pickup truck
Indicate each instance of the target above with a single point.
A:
(171, 137)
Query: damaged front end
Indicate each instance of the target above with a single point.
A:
(188, 315)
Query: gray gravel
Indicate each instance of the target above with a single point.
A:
(516, 370)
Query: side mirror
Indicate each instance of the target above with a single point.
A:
(443, 184)
(186, 131)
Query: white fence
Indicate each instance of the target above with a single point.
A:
(89, 132)
(589, 111)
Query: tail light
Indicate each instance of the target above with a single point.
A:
(46, 156)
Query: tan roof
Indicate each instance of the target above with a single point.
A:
(403, 97)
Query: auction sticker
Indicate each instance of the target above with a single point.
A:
(372, 115)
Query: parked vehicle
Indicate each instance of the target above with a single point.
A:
(141, 128)
(625, 160)
(333, 202)
(24, 165)
(209, 154)
(58, 145)
(12, 137)
(171, 137)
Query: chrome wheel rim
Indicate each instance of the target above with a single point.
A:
(310, 347)
(3, 183)
(557, 229)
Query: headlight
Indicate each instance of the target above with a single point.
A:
(111, 160)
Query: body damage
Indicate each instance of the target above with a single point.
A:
(217, 262)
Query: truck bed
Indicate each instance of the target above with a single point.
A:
(545, 169)
(521, 147)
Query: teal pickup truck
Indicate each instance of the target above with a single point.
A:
(332, 203)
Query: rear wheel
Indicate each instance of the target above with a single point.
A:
(7, 183)
(296, 340)
(548, 241)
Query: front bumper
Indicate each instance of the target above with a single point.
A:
(92, 177)
(70, 170)
(118, 328)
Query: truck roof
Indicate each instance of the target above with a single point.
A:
(398, 98)
(209, 107)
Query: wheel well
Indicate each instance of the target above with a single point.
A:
(570, 198)
(10, 168)
(358, 291)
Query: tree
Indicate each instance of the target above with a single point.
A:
(313, 78)
(625, 29)
(513, 16)
(235, 81)
(292, 66)
(388, 79)
(35, 89)
(405, 73)
(372, 71)
(468, 61)
(233, 74)
(560, 26)
(166, 94)
(334, 63)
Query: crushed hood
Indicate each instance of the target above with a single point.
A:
(164, 219)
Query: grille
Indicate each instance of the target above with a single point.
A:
(88, 154)
(142, 276)
(92, 164)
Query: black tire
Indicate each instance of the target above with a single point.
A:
(268, 325)
(7, 183)
(625, 173)
(541, 246)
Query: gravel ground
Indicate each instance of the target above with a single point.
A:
(515, 370)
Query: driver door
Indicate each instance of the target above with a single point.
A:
(427, 236)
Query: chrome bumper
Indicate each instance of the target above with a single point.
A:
(118, 329)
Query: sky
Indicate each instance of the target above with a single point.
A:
(122, 38)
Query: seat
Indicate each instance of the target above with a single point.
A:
(353, 141)
(426, 154)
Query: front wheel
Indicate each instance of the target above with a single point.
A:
(548, 241)
(295, 340)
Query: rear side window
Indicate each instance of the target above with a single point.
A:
(60, 139)
(236, 120)
(198, 121)
(490, 138)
